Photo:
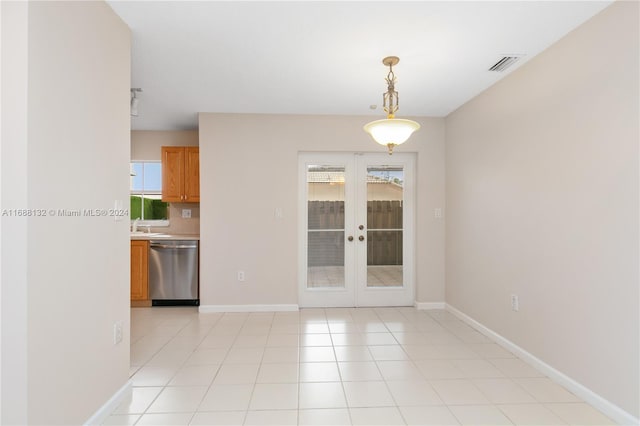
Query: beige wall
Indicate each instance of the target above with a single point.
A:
(243, 156)
(76, 269)
(145, 146)
(542, 202)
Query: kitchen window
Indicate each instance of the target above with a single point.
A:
(146, 194)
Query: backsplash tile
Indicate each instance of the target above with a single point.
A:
(178, 225)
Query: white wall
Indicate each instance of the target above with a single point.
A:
(73, 155)
(249, 167)
(542, 201)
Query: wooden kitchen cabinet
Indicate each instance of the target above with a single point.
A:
(140, 273)
(181, 174)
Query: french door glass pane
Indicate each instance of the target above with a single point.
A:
(384, 226)
(325, 233)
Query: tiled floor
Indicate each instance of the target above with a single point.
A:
(386, 366)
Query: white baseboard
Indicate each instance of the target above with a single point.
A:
(109, 407)
(429, 305)
(616, 413)
(207, 309)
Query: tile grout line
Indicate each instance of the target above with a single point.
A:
(178, 370)
(385, 380)
(344, 392)
(217, 370)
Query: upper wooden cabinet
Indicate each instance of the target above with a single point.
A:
(181, 174)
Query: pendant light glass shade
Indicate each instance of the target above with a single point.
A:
(391, 131)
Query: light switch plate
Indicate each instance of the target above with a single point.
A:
(515, 303)
(117, 332)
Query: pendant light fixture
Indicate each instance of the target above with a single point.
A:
(391, 131)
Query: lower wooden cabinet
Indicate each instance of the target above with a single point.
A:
(140, 273)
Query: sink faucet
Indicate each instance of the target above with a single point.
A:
(134, 225)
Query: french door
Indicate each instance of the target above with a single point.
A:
(356, 218)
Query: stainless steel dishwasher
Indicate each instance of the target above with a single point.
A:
(173, 272)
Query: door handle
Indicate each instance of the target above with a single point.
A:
(361, 237)
(361, 227)
(350, 238)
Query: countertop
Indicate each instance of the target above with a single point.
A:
(161, 236)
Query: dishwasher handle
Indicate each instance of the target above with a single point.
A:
(169, 246)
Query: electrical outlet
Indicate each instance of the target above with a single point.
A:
(186, 213)
(117, 332)
(437, 213)
(278, 213)
(515, 303)
(240, 275)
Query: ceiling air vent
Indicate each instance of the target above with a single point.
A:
(504, 63)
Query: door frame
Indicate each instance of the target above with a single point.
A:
(354, 279)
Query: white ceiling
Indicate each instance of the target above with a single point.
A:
(325, 57)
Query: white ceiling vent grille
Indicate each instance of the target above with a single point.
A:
(505, 63)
